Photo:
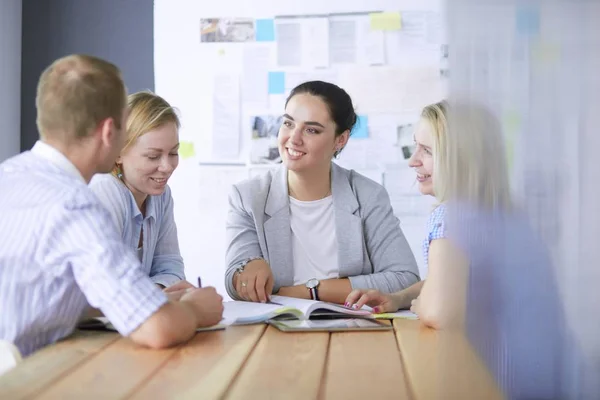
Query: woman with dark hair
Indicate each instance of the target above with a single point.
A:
(311, 229)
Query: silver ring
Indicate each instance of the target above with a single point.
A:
(244, 284)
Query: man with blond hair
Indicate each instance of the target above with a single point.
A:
(60, 250)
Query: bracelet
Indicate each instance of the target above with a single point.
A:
(243, 264)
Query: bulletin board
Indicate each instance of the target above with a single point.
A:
(229, 72)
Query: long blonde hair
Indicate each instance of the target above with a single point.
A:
(147, 111)
(469, 163)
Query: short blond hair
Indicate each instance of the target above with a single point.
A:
(147, 111)
(75, 94)
(469, 163)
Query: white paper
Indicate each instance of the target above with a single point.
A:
(315, 42)
(226, 117)
(418, 42)
(302, 42)
(371, 44)
(352, 41)
(255, 76)
(289, 42)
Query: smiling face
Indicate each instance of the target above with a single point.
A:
(422, 158)
(307, 138)
(149, 162)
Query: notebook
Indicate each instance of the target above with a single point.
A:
(280, 307)
(405, 314)
(332, 325)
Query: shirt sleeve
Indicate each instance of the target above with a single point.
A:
(437, 224)
(105, 269)
(167, 263)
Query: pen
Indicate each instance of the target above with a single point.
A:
(199, 282)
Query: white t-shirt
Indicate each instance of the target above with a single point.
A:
(314, 241)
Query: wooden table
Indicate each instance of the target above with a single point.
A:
(258, 362)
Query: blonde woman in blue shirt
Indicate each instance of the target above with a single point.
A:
(136, 193)
(439, 300)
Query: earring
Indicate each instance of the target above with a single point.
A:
(119, 172)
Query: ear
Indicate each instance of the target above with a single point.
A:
(342, 140)
(106, 130)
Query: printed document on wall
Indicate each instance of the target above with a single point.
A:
(352, 41)
(255, 76)
(302, 42)
(418, 42)
(226, 117)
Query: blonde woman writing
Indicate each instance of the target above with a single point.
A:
(136, 193)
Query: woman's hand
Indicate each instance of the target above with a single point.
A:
(380, 302)
(255, 282)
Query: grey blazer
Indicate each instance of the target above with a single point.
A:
(372, 250)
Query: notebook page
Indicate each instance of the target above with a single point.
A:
(248, 312)
(307, 306)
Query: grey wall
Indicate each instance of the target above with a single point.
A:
(10, 77)
(120, 31)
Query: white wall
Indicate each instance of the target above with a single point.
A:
(10, 77)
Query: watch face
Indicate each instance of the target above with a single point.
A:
(312, 283)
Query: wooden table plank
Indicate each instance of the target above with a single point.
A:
(111, 374)
(205, 367)
(284, 365)
(50, 363)
(442, 364)
(363, 365)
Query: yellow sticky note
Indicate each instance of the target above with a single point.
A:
(545, 53)
(186, 150)
(385, 21)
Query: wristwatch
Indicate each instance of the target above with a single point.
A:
(312, 286)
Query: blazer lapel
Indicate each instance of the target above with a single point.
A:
(278, 233)
(348, 224)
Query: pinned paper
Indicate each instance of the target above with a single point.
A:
(385, 21)
(186, 150)
(276, 82)
(265, 30)
(361, 128)
(528, 20)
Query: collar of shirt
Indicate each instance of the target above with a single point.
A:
(57, 158)
(150, 207)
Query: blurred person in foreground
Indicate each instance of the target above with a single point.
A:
(489, 273)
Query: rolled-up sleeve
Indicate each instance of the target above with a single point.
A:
(394, 264)
(105, 269)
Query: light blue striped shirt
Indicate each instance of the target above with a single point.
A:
(60, 252)
(160, 257)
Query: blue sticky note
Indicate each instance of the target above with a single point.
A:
(528, 20)
(361, 128)
(265, 30)
(276, 82)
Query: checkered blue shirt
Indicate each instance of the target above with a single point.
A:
(436, 229)
(60, 252)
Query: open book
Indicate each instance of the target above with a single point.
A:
(242, 312)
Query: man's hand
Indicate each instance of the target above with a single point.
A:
(207, 305)
(179, 286)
